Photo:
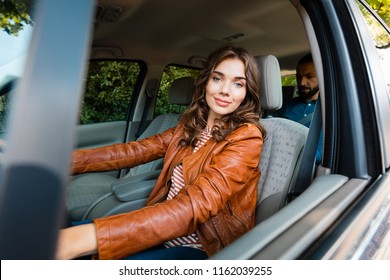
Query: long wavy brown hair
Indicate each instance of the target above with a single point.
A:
(249, 111)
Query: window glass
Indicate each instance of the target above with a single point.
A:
(289, 80)
(13, 49)
(108, 90)
(380, 36)
(3, 114)
(171, 73)
(382, 8)
(289, 87)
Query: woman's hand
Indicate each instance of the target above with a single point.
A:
(77, 241)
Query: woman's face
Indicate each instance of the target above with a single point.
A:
(225, 89)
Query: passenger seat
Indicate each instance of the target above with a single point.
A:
(283, 146)
(88, 192)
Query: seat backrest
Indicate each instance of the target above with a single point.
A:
(180, 93)
(283, 146)
(288, 93)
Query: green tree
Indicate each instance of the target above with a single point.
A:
(170, 74)
(3, 112)
(379, 34)
(14, 15)
(108, 91)
(382, 7)
(289, 80)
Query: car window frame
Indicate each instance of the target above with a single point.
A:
(376, 79)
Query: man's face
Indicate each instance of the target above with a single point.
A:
(307, 81)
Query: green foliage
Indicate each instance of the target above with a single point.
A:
(289, 80)
(110, 85)
(382, 7)
(379, 34)
(14, 15)
(3, 112)
(170, 74)
(108, 91)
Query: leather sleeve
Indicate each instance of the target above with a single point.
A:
(231, 165)
(120, 156)
(227, 174)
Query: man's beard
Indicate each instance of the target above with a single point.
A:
(310, 94)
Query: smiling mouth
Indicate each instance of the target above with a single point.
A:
(221, 102)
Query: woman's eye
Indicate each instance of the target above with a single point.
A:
(238, 84)
(216, 79)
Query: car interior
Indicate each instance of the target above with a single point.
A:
(188, 44)
(90, 196)
(272, 30)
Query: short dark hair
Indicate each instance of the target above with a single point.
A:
(305, 59)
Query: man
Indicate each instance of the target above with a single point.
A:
(300, 109)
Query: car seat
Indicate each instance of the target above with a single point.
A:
(283, 146)
(87, 191)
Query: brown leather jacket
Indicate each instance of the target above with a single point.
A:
(218, 200)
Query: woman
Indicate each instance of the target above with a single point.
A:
(205, 196)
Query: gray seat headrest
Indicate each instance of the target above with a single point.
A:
(180, 92)
(271, 85)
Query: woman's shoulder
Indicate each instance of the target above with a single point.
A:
(246, 130)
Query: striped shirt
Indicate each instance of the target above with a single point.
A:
(177, 183)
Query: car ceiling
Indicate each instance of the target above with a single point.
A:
(172, 31)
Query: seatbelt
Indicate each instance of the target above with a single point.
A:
(150, 91)
(305, 172)
(306, 119)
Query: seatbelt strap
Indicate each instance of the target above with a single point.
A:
(306, 168)
(150, 91)
(306, 119)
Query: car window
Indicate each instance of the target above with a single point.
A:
(171, 73)
(3, 113)
(108, 90)
(13, 49)
(289, 87)
(289, 80)
(381, 39)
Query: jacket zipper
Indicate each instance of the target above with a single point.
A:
(234, 216)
